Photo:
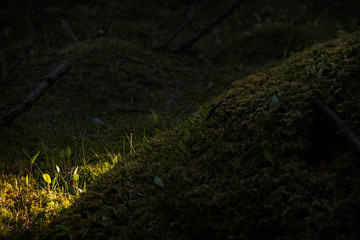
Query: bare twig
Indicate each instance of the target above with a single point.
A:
(179, 29)
(77, 123)
(91, 223)
(183, 111)
(12, 69)
(68, 31)
(216, 105)
(207, 28)
(335, 119)
(322, 227)
(36, 94)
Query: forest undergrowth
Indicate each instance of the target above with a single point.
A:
(220, 140)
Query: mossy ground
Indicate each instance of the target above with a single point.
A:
(250, 171)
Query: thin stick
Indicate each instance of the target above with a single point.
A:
(179, 29)
(216, 105)
(91, 223)
(335, 119)
(207, 28)
(77, 123)
(14, 67)
(49, 80)
(67, 29)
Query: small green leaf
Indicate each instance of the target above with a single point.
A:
(320, 72)
(27, 180)
(62, 227)
(47, 178)
(62, 154)
(71, 190)
(268, 156)
(76, 169)
(158, 131)
(158, 181)
(340, 32)
(154, 116)
(118, 186)
(316, 22)
(68, 151)
(274, 102)
(285, 52)
(115, 159)
(75, 177)
(258, 18)
(34, 157)
(107, 165)
(193, 115)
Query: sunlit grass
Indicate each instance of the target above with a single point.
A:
(54, 179)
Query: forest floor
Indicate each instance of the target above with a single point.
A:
(127, 109)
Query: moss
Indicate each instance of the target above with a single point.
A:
(22, 201)
(114, 84)
(219, 183)
(110, 90)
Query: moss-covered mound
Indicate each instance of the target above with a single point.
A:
(265, 165)
(107, 75)
(111, 89)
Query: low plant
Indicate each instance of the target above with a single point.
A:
(54, 180)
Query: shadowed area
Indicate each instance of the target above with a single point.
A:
(256, 169)
(221, 140)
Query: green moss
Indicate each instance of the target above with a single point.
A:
(242, 173)
(108, 95)
(111, 89)
(20, 203)
(218, 182)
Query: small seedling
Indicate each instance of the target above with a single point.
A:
(63, 227)
(274, 102)
(268, 156)
(158, 181)
(32, 162)
(47, 179)
(158, 131)
(130, 140)
(154, 116)
(320, 72)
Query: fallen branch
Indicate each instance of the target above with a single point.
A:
(91, 223)
(49, 80)
(207, 28)
(68, 31)
(179, 29)
(12, 69)
(335, 119)
(216, 105)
